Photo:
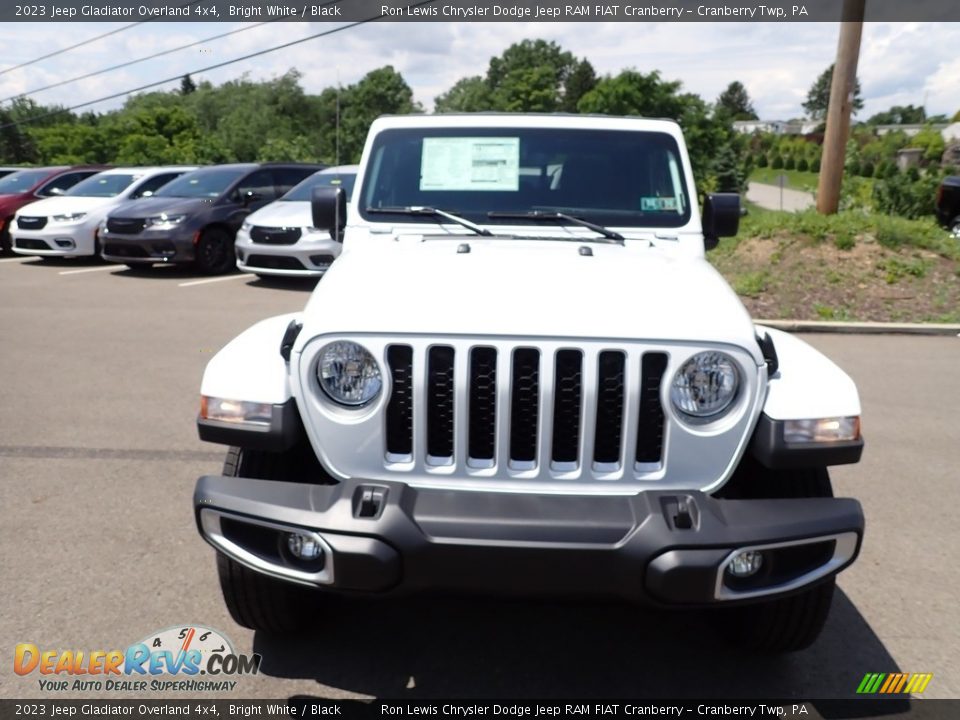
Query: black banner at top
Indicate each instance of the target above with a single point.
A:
(626, 11)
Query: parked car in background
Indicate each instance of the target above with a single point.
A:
(948, 204)
(4, 171)
(195, 218)
(26, 186)
(68, 225)
(280, 239)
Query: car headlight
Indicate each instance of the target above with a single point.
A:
(246, 227)
(348, 373)
(705, 385)
(68, 217)
(163, 221)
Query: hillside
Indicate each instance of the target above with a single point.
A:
(851, 266)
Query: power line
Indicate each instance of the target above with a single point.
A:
(216, 66)
(84, 42)
(27, 93)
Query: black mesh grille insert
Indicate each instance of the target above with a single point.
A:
(524, 404)
(650, 427)
(274, 235)
(130, 226)
(25, 222)
(440, 402)
(274, 262)
(31, 244)
(567, 401)
(483, 403)
(400, 407)
(606, 447)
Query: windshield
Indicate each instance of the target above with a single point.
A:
(321, 179)
(201, 183)
(103, 186)
(21, 181)
(609, 177)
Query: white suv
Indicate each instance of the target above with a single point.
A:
(523, 376)
(67, 225)
(280, 240)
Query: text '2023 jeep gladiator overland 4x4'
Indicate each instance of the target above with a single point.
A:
(522, 376)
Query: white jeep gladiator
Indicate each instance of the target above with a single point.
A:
(522, 376)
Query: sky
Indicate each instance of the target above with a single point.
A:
(900, 63)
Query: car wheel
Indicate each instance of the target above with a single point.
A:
(791, 623)
(215, 252)
(254, 600)
(955, 228)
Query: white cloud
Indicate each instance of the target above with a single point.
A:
(899, 63)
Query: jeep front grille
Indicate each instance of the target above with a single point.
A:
(563, 410)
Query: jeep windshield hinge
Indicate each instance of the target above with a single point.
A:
(769, 353)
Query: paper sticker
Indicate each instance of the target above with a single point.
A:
(470, 163)
(658, 204)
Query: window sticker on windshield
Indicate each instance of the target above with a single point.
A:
(470, 163)
(658, 204)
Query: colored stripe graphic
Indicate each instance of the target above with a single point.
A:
(894, 683)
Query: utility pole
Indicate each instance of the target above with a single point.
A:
(840, 108)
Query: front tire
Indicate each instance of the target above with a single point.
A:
(791, 623)
(254, 600)
(215, 252)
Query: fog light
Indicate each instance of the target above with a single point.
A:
(746, 563)
(304, 547)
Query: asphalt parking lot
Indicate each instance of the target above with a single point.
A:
(99, 454)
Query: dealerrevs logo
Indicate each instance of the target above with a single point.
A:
(168, 660)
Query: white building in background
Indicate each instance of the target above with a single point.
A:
(951, 133)
(777, 127)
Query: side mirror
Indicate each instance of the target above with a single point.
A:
(250, 197)
(329, 208)
(721, 218)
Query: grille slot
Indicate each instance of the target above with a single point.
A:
(567, 401)
(25, 222)
(274, 235)
(274, 262)
(609, 430)
(440, 391)
(650, 425)
(524, 406)
(31, 244)
(483, 407)
(129, 226)
(400, 407)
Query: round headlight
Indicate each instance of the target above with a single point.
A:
(348, 373)
(705, 385)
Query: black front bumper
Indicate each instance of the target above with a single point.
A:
(155, 247)
(657, 546)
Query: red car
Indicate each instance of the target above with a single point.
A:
(24, 186)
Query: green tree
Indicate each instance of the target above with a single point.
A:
(899, 115)
(187, 85)
(16, 144)
(735, 103)
(818, 97)
(469, 94)
(728, 172)
(581, 80)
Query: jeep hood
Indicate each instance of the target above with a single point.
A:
(526, 288)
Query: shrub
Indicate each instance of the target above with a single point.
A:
(777, 162)
(803, 165)
(815, 165)
(906, 197)
(789, 163)
(762, 161)
(853, 167)
(867, 169)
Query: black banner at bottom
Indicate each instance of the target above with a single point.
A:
(307, 707)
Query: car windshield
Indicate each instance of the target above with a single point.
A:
(21, 181)
(303, 190)
(102, 185)
(201, 183)
(609, 177)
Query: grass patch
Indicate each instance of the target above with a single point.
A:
(897, 268)
(751, 284)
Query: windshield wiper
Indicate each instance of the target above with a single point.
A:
(558, 216)
(431, 212)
